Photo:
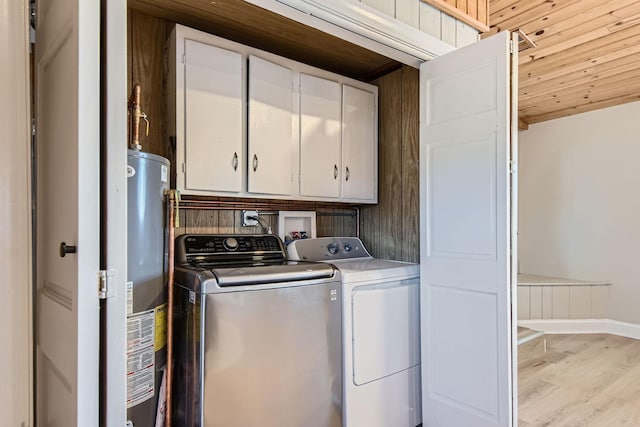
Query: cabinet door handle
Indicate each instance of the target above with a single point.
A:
(347, 174)
(335, 171)
(255, 162)
(234, 162)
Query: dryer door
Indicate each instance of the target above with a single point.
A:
(386, 332)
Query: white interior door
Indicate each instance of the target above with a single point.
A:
(465, 237)
(68, 210)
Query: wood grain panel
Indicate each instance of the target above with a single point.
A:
(410, 165)
(146, 40)
(474, 15)
(582, 380)
(251, 25)
(391, 228)
(329, 222)
(585, 58)
(390, 165)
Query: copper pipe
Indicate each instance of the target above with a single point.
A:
(171, 200)
(136, 113)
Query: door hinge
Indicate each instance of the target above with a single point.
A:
(513, 167)
(32, 21)
(512, 46)
(105, 290)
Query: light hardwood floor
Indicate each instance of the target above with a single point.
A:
(581, 381)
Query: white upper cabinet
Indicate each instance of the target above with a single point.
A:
(213, 123)
(248, 123)
(270, 137)
(320, 166)
(359, 145)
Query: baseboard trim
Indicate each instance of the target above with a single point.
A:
(583, 326)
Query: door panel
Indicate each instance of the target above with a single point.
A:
(68, 210)
(465, 237)
(270, 127)
(384, 319)
(213, 118)
(359, 144)
(319, 137)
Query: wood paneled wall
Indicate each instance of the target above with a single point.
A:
(146, 37)
(391, 228)
(329, 221)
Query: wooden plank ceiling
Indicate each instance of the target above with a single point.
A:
(587, 54)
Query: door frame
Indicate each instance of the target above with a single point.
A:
(113, 251)
(15, 121)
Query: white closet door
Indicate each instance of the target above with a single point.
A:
(270, 128)
(319, 137)
(359, 145)
(67, 335)
(465, 237)
(213, 118)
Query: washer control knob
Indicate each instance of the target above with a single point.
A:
(231, 243)
(347, 247)
(333, 248)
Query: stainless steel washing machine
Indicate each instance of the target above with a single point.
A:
(258, 339)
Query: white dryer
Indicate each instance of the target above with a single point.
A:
(381, 332)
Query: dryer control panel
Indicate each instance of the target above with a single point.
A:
(327, 249)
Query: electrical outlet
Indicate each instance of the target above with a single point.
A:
(246, 218)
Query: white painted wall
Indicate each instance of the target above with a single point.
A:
(15, 216)
(427, 19)
(580, 204)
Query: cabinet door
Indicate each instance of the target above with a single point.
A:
(319, 137)
(270, 127)
(213, 118)
(359, 145)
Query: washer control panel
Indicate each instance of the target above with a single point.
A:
(327, 249)
(210, 247)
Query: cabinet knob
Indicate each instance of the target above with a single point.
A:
(234, 162)
(335, 171)
(255, 162)
(347, 174)
(66, 249)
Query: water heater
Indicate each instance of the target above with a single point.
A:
(148, 178)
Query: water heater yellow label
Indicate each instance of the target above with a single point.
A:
(161, 327)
